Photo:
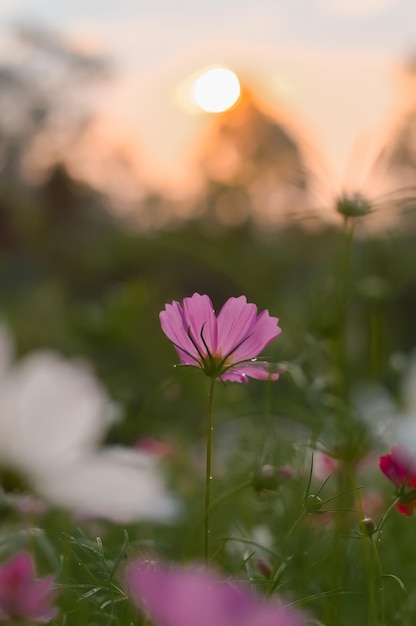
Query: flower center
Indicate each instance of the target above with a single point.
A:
(213, 365)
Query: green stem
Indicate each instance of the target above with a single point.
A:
(372, 585)
(294, 525)
(385, 517)
(340, 341)
(378, 584)
(367, 554)
(380, 576)
(208, 471)
(215, 503)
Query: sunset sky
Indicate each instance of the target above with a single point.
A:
(330, 65)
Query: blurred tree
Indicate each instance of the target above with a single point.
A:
(401, 153)
(42, 114)
(46, 87)
(253, 167)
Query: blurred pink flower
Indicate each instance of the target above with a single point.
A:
(372, 502)
(23, 597)
(186, 596)
(323, 465)
(160, 448)
(400, 467)
(223, 346)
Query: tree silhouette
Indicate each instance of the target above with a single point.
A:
(253, 168)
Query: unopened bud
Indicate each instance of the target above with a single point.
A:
(312, 504)
(265, 568)
(269, 477)
(367, 527)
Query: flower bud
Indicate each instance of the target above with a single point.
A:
(367, 527)
(312, 504)
(269, 477)
(264, 567)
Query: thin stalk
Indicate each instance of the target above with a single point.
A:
(345, 275)
(385, 517)
(215, 503)
(277, 565)
(372, 586)
(380, 575)
(367, 554)
(208, 470)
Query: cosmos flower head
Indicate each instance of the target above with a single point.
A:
(226, 345)
(54, 414)
(353, 205)
(186, 596)
(400, 467)
(22, 596)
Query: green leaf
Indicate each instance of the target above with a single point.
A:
(398, 581)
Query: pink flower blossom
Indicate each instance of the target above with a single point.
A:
(223, 346)
(400, 467)
(21, 595)
(159, 448)
(186, 596)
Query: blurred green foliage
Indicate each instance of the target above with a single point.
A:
(85, 285)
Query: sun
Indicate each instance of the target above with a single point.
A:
(216, 90)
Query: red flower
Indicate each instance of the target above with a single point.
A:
(400, 467)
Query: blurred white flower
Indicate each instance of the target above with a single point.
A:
(378, 410)
(53, 415)
(258, 543)
(405, 430)
(390, 421)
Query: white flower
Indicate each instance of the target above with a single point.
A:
(406, 427)
(258, 543)
(53, 415)
(390, 422)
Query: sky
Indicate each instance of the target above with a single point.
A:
(331, 66)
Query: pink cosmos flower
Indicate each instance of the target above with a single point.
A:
(186, 596)
(223, 346)
(400, 467)
(159, 448)
(23, 597)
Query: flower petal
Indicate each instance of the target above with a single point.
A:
(116, 483)
(236, 321)
(36, 601)
(185, 596)
(263, 332)
(406, 509)
(260, 370)
(52, 411)
(175, 328)
(398, 466)
(199, 317)
(21, 595)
